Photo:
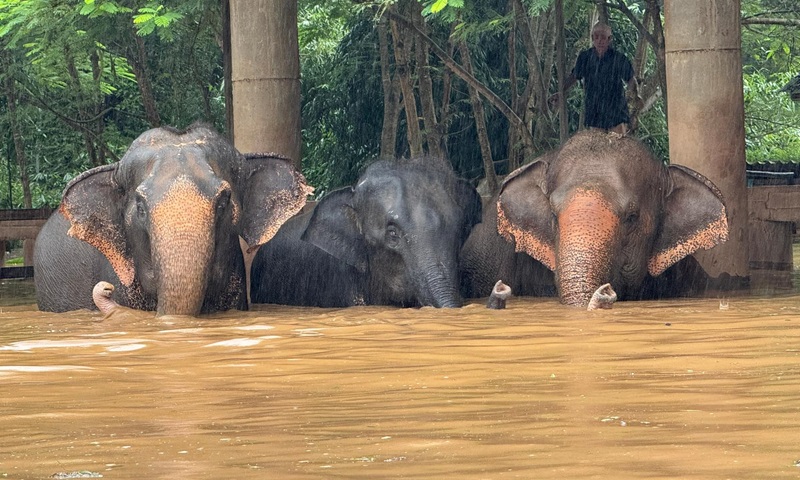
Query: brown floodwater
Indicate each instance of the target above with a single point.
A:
(651, 390)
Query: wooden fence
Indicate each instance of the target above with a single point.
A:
(21, 224)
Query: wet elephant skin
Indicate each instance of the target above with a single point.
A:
(602, 209)
(392, 239)
(163, 224)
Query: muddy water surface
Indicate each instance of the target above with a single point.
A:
(655, 390)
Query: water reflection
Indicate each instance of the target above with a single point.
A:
(677, 389)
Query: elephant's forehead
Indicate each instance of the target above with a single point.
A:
(399, 199)
(158, 168)
(622, 186)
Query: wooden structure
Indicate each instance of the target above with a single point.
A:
(22, 224)
(265, 75)
(705, 107)
(773, 213)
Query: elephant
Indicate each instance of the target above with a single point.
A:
(392, 239)
(162, 225)
(487, 258)
(602, 209)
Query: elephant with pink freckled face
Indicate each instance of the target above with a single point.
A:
(162, 225)
(602, 209)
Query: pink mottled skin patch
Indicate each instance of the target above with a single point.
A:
(107, 239)
(283, 204)
(525, 240)
(182, 246)
(716, 232)
(587, 226)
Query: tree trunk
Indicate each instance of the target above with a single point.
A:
(390, 102)
(98, 125)
(602, 13)
(513, 135)
(480, 125)
(138, 60)
(401, 56)
(470, 79)
(656, 41)
(16, 133)
(447, 83)
(533, 101)
(563, 122)
(432, 131)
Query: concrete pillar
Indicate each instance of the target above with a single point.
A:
(265, 71)
(706, 113)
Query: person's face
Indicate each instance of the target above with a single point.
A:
(601, 39)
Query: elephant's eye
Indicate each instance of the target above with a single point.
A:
(141, 210)
(632, 218)
(392, 236)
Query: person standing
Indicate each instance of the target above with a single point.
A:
(604, 72)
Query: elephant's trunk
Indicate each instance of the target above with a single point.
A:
(182, 243)
(587, 227)
(438, 285)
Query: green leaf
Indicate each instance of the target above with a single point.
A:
(137, 19)
(88, 9)
(146, 29)
(438, 5)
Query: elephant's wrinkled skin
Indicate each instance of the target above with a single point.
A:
(163, 224)
(392, 239)
(602, 209)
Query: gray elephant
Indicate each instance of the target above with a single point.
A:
(487, 257)
(601, 209)
(392, 239)
(163, 225)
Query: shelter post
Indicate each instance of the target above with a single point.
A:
(265, 75)
(706, 114)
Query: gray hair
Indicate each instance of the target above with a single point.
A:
(601, 26)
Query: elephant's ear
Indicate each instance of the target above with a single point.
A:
(694, 218)
(468, 199)
(271, 192)
(334, 227)
(91, 202)
(524, 215)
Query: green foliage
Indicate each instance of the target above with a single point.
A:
(73, 74)
(341, 94)
(154, 17)
(93, 9)
(772, 123)
(73, 66)
(770, 60)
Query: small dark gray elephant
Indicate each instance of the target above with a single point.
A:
(162, 225)
(601, 209)
(392, 239)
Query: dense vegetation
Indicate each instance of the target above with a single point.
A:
(80, 79)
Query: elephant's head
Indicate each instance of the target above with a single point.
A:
(403, 225)
(167, 216)
(602, 210)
